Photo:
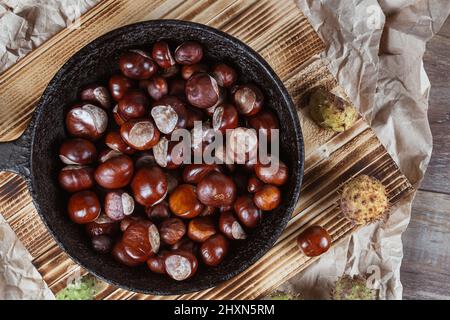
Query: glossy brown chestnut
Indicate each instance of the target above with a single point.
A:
(145, 159)
(158, 212)
(118, 119)
(78, 152)
(128, 221)
(189, 70)
(76, 178)
(278, 175)
(254, 184)
(141, 240)
(97, 95)
(115, 173)
(103, 225)
(156, 263)
(202, 91)
(185, 244)
(180, 265)
(157, 87)
(225, 75)
(119, 86)
(189, 52)
(86, 121)
(264, 122)
(162, 55)
(115, 142)
(123, 257)
(194, 173)
(231, 227)
(246, 211)
(172, 230)
(173, 180)
(102, 244)
(214, 250)
(149, 186)
(169, 154)
(201, 229)
(107, 154)
(83, 207)
(183, 202)
(169, 72)
(314, 241)
(225, 117)
(138, 65)
(133, 105)
(169, 113)
(217, 190)
(118, 205)
(248, 99)
(208, 211)
(268, 198)
(140, 134)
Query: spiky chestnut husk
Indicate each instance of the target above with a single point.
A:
(279, 295)
(348, 288)
(84, 289)
(364, 200)
(331, 112)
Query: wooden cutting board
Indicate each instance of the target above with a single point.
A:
(276, 29)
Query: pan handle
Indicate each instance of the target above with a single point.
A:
(15, 156)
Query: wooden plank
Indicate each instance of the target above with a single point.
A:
(279, 31)
(425, 271)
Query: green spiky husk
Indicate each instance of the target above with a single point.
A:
(348, 288)
(85, 289)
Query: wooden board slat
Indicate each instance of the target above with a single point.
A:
(276, 29)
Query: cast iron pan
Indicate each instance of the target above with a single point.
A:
(34, 155)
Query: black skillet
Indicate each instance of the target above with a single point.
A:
(34, 155)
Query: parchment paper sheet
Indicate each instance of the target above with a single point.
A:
(389, 87)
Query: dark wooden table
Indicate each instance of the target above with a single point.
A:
(425, 270)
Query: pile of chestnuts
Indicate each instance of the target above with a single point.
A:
(135, 201)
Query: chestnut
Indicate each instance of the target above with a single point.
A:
(97, 95)
(158, 212)
(183, 202)
(225, 117)
(172, 230)
(107, 154)
(201, 229)
(264, 122)
(162, 55)
(180, 265)
(268, 198)
(137, 65)
(140, 134)
(254, 184)
(202, 91)
(231, 227)
(128, 221)
(248, 214)
(118, 119)
(214, 250)
(119, 86)
(225, 75)
(314, 241)
(156, 263)
(185, 244)
(248, 99)
(123, 257)
(86, 121)
(157, 87)
(133, 105)
(173, 181)
(242, 145)
(217, 190)
(77, 152)
(102, 244)
(169, 154)
(225, 208)
(169, 72)
(189, 70)
(103, 225)
(169, 113)
(278, 175)
(76, 178)
(194, 173)
(145, 159)
(115, 173)
(149, 186)
(118, 205)
(141, 240)
(177, 87)
(208, 211)
(189, 52)
(83, 207)
(115, 142)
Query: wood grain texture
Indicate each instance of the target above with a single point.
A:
(277, 30)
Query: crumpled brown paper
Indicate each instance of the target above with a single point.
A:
(390, 88)
(375, 49)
